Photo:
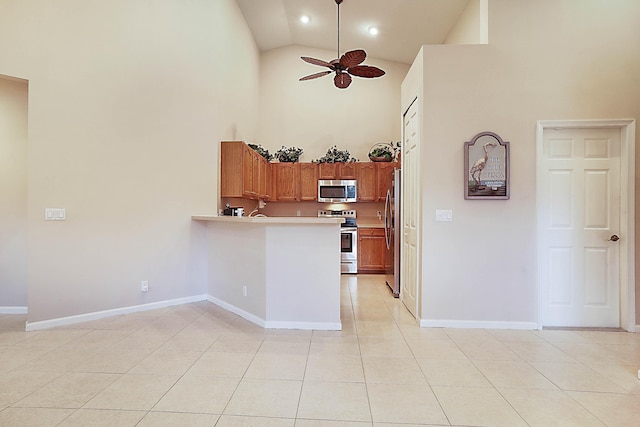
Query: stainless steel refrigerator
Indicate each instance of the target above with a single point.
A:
(392, 230)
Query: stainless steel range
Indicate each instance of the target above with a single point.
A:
(348, 239)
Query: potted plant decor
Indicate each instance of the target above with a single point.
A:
(334, 155)
(288, 155)
(384, 151)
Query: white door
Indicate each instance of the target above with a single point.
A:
(580, 211)
(410, 209)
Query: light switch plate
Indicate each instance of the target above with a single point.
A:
(444, 215)
(55, 214)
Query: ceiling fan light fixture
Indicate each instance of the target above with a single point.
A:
(305, 19)
(373, 31)
(342, 80)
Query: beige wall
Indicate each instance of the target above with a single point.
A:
(583, 63)
(471, 27)
(13, 192)
(315, 115)
(127, 104)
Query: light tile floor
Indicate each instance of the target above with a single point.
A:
(198, 365)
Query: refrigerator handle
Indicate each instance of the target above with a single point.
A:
(387, 219)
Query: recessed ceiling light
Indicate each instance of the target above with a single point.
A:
(305, 19)
(373, 31)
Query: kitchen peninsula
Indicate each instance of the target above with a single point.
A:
(277, 272)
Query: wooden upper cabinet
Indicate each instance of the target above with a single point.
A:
(243, 171)
(252, 184)
(348, 170)
(367, 182)
(384, 178)
(233, 171)
(308, 182)
(337, 170)
(271, 183)
(328, 171)
(287, 177)
(265, 179)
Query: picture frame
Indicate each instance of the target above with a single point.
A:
(486, 167)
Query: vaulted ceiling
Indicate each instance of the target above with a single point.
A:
(404, 25)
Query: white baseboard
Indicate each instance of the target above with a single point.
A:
(318, 326)
(13, 310)
(71, 320)
(235, 310)
(473, 324)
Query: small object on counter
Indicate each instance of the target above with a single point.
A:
(229, 211)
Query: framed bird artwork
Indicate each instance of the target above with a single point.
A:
(486, 167)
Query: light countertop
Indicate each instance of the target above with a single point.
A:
(369, 223)
(268, 219)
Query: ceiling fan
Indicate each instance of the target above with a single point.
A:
(346, 66)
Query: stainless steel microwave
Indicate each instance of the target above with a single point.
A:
(337, 191)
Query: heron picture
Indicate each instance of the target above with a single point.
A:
(486, 167)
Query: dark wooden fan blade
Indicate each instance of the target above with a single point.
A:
(315, 76)
(342, 80)
(315, 61)
(366, 71)
(353, 58)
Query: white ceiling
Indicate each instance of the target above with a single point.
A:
(404, 25)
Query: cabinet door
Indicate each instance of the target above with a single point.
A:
(328, 170)
(337, 170)
(256, 174)
(366, 176)
(231, 170)
(371, 250)
(308, 182)
(265, 180)
(384, 174)
(347, 170)
(262, 190)
(247, 172)
(287, 176)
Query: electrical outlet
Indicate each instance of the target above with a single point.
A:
(144, 286)
(244, 291)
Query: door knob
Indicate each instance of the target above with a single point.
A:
(614, 238)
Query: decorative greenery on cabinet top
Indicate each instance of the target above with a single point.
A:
(384, 151)
(262, 151)
(289, 155)
(334, 155)
(380, 152)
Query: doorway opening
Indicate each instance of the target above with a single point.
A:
(13, 193)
